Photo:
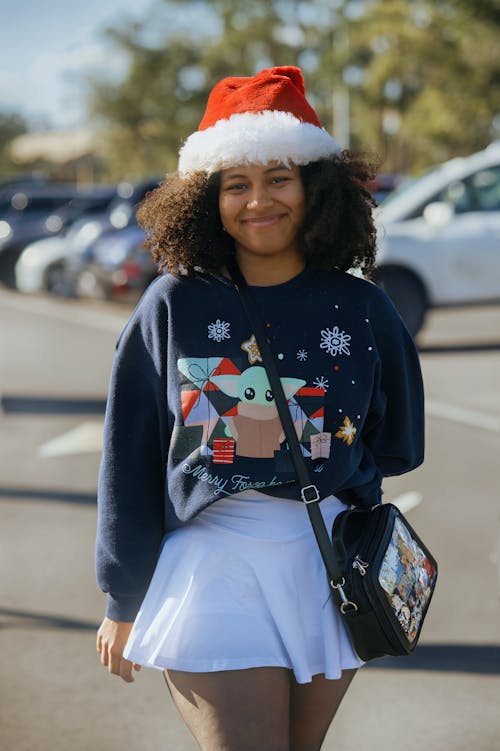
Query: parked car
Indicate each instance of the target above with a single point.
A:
(23, 182)
(27, 214)
(384, 184)
(121, 268)
(34, 213)
(40, 266)
(54, 264)
(121, 214)
(439, 237)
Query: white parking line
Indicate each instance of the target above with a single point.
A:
(61, 311)
(85, 438)
(406, 501)
(462, 415)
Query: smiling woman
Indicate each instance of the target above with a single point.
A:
(209, 561)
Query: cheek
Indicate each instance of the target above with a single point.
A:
(227, 209)
(302, 199)
(300, 210)
(222, 210)
(298, 202)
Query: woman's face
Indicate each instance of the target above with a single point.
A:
(262, 208)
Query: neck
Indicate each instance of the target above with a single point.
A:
(266, 272)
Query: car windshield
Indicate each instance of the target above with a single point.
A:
(402, 188)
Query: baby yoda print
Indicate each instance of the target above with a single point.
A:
(229, 411)
(256, 427)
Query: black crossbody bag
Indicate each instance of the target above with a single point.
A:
(381, 574)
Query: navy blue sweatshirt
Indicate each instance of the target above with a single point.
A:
(190, 416)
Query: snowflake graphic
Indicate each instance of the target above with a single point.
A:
(335, 342)
(321, 383)
(302, 355)
(219, 330)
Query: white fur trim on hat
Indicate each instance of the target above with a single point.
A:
(255, 138)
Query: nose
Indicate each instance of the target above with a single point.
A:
(259, 198)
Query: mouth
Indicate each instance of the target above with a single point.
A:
(263, 221)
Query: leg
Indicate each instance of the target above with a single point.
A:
(234, 710)
(313, 707)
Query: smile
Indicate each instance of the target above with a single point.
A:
(263, 221)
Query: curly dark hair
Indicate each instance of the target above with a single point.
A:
(184, 230)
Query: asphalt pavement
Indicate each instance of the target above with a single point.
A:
(55, 358)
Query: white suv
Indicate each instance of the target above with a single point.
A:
(439, 237)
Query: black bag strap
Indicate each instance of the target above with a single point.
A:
(309, 493)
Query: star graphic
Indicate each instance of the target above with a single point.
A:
(347, 431)
(252, 349)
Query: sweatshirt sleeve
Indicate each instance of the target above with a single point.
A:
(394, 429)
(131, 478)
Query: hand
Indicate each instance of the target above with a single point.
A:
(111, 639)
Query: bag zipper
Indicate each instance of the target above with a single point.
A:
(360, 565)
(361, 560)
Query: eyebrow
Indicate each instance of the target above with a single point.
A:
(236, 176)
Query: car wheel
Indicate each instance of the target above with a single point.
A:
(407, 294)
(57, 282)
(87, 285)
(8, 259)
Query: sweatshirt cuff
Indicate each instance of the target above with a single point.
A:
(122, 608)
(369, 494)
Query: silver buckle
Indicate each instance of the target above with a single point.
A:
(310, 500)
(346, 606)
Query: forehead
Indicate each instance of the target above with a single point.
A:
(256, 170)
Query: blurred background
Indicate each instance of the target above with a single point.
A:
(95, 100)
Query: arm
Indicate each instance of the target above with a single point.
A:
(394, 429)
(132, 475)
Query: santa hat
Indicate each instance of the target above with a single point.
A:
(257, 120)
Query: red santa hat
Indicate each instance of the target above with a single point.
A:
(257, 120)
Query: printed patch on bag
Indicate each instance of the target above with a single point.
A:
(407, 576)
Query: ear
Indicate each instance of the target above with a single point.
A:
(227, 383)
(291, 386)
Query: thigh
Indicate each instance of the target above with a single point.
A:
(234, 710)
(313, 707)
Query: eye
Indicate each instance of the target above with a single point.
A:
(269, 395)
(249, 393)
(235, 187)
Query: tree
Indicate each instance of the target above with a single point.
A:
(11, 125)
(487, 10)
(420, 88)
(428, 77)
(161, 99)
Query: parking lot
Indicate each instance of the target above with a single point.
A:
(55, 366)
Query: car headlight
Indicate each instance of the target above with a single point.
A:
(85, 235)
(5, 230)
(111, 253)
(120, 216)
(53, 223)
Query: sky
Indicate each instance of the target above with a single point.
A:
(45, 46)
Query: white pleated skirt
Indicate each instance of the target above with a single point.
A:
(241, 586)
